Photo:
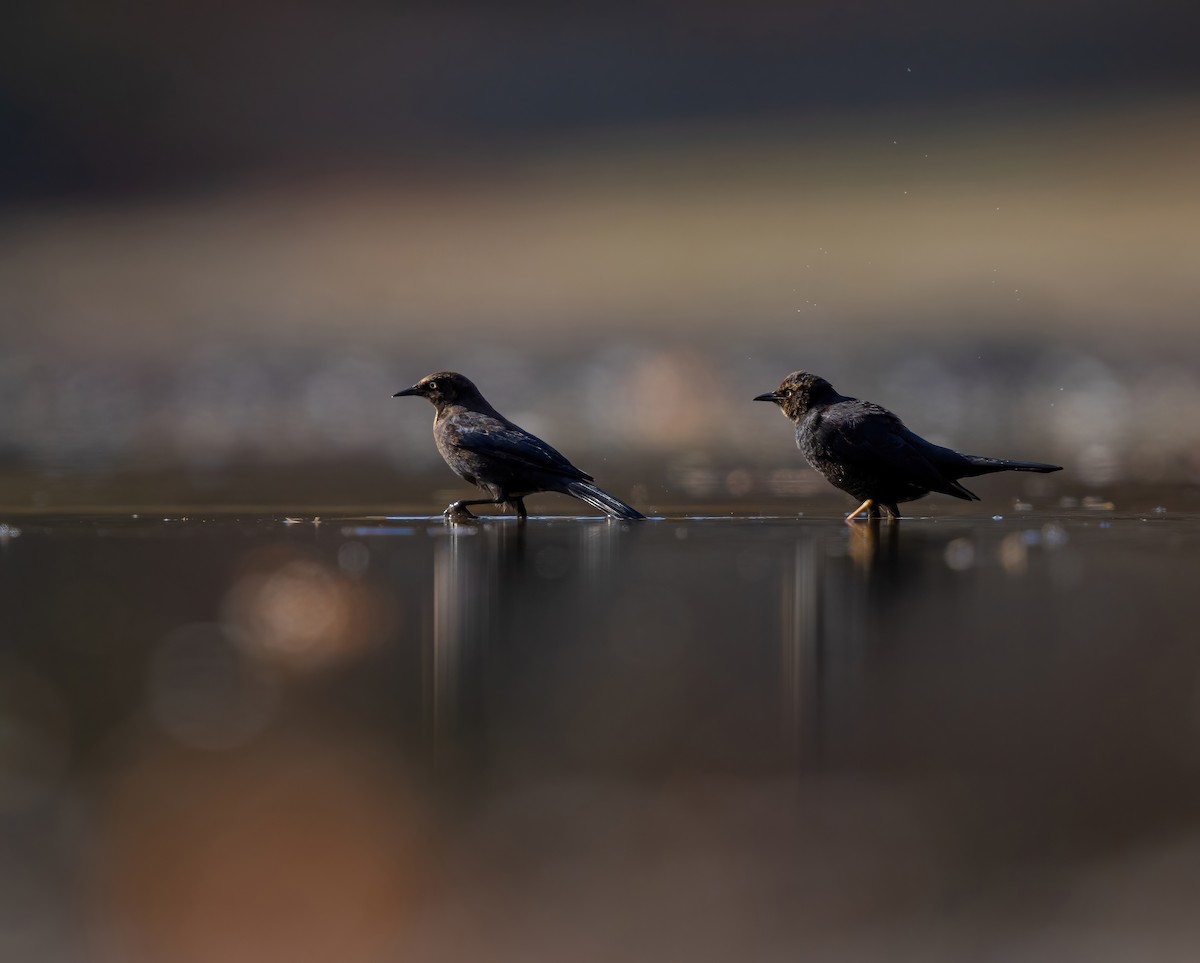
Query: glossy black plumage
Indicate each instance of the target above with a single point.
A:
(489, 451)
(866, 451)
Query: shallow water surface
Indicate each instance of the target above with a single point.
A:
(259, 737)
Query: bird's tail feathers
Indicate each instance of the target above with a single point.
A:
(961, 491)
(602, 500)
(979, 465)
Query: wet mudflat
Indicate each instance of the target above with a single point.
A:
(257, 737)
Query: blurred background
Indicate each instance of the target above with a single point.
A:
(228, 232)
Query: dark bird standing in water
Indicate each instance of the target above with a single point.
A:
(486, 449)
(866, 451)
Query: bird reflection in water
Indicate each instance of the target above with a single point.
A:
(464, 608)
(490, 582)
(831, 597)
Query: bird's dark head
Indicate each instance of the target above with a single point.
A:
(443, 388)
(798, 393)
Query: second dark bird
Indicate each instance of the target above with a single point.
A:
(487, 450)
(867, 452)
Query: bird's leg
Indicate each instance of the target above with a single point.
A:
(521, 513)
(459, 508)
(868, 504)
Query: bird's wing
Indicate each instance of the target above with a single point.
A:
(874, 440)
(504, 442)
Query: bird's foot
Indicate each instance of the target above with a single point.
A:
(867, 506)
(457, 512)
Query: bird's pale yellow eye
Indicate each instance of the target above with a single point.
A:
(433, 385)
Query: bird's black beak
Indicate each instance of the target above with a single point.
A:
(414, 390)
(769, 396)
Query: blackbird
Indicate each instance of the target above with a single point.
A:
(866, 451)
(486, 449)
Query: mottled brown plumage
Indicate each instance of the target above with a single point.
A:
(866, 451)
